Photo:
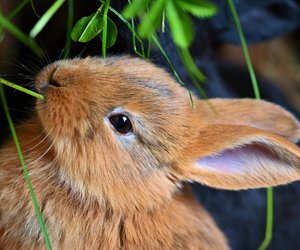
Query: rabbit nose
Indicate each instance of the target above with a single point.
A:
(43, 86)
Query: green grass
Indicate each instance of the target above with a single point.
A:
(20, 88)
(21, 36)
(67, 47)
(45, 18)
(24, 168)
(270, 206)
(104, 32)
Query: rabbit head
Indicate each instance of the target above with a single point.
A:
(117, 126)
(126, 134)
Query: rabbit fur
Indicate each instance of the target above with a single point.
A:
(100, 189)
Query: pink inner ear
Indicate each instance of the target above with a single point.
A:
(240, 160)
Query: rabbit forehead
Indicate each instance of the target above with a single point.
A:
(116, 81)
(138, 87)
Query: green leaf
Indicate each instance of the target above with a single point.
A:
(153, 18)
(45, 18)
(112, 33)
(135, 8)
(191, 65)
(180, 24)
(87, 28)
(202, 9)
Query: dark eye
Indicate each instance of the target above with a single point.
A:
(121, 123)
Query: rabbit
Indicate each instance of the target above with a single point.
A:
(112, 149)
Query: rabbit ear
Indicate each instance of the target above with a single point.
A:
(239, 157)
(260, 114)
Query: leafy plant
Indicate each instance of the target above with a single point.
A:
(92, 26)
(178, 15)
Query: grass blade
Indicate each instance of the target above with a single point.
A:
(45, 18)
(269, 221)
(17, 87)
(104, 32)
(67, 47)
(270, 204)
(21, 36)
(132, 29)
(112, 33)
(187, 59)
(26, 174)
(134, 38)
(159, 46)
(163, 22)
(245, 49)
(17, 9)
(12, 15)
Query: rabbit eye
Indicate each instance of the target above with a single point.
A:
(121, 123)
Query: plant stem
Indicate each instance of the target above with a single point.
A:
(17, 87)
(245, 49)
(104, 32)
(159, 46)
(45, 18)
(270, 205)
(69, 28)
(26, 174)
(21, 36)
(17, 9)
(269, 222)
(135, 36)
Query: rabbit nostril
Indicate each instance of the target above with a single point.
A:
(54, 83)
(42, 87)
(51, 80)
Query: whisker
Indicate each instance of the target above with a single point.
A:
(36, 144)
(45, 152)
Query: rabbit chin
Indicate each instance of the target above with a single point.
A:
(110, 181)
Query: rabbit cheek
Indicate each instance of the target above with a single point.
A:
(127, 174)
(62, 114)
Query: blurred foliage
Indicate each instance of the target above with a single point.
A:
(178, 17)
(149, 15)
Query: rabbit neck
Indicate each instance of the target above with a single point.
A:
(72, 224)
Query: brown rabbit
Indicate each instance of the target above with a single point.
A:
(110, 149)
